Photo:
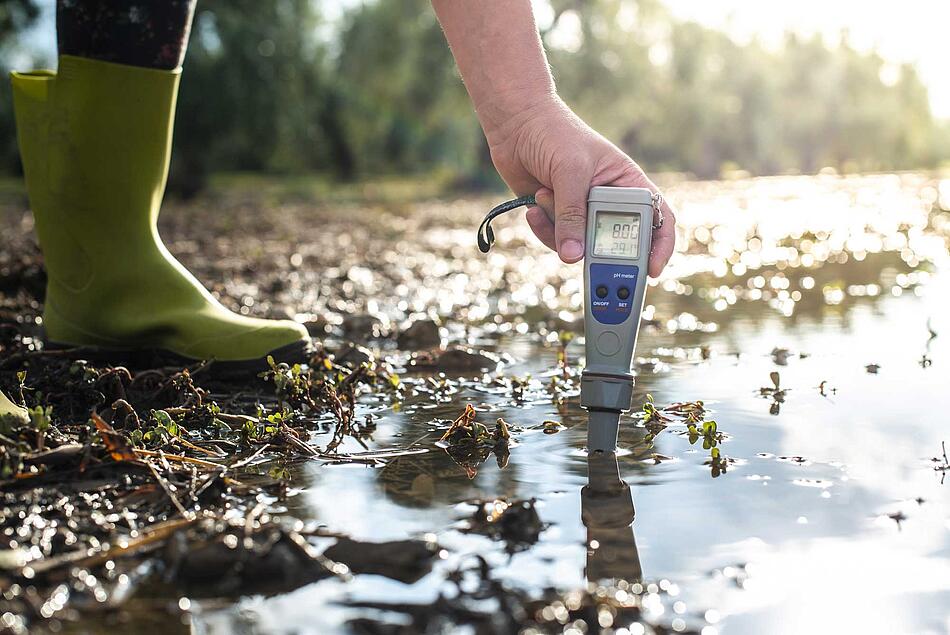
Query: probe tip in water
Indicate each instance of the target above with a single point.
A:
(602, 427)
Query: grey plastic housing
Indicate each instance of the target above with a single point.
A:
(607, 383)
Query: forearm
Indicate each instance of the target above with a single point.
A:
(499, 54)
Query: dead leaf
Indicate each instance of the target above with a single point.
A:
(118, 446)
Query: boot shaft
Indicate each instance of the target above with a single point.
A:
(95, 139)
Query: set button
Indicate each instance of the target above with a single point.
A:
(623, 293)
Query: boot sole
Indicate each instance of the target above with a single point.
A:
(144, 358)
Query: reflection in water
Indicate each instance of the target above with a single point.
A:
(608, 513)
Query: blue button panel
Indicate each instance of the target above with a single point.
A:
(613, 307)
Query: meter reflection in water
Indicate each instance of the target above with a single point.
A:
(608, 513)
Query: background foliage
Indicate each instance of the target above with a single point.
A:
(274, 86)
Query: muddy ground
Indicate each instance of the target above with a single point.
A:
(424, 472)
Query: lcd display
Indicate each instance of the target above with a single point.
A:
(617, 234)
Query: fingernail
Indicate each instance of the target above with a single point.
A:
(572, 250)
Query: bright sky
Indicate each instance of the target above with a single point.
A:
(915, 31)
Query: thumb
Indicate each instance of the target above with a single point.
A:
(571, 187)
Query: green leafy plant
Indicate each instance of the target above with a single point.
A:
(708, 432)
(160, 428)
(693, 414)
(292, 384)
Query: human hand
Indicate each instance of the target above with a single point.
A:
(549, 151)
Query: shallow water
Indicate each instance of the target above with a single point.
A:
(831, 515)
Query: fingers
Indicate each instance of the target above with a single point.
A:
(541, 218)
(545, 200)
(571, 187)
(542, 226)
(664, 240)
(560, 217)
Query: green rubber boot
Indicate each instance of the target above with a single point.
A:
(95, 140)
(12, 413)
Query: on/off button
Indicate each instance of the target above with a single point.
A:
(608, 343)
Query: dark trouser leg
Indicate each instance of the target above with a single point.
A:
(149, 33)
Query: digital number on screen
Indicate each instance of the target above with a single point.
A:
(617, 235)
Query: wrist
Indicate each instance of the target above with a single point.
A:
(505, 114)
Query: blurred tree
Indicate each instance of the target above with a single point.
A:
(404, 106)
(679, 96)
(271, 86)
(253, 92)
(15, 17)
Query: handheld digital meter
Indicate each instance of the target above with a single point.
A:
(620, 222)
(619, 235)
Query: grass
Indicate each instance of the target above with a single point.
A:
(324, 188)
(303, 188)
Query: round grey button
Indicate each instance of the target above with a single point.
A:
(608, 343)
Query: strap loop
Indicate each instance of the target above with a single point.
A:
(486, 237)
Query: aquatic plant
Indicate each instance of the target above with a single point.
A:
(693, 415)
(470, 442)
(941, 464)
(775, 392)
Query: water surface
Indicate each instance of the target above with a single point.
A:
(831, 515)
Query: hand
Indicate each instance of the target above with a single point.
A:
(549, 151)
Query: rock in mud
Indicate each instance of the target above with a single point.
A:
(780, 356)
(515, 522)
(403, 560)
(271, 560)
(419, 334)
(455, 359)
(23, 269)
(318, 326)
(353, 355)
(364, 327)
(650, 365)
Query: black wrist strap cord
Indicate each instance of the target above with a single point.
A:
(486, 237)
